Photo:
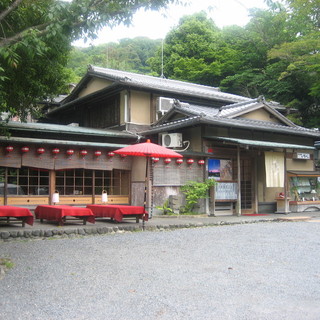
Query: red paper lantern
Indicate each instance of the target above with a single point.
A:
(97, 153)
(70, 152)
(111, 154)
(155, 160)
(190, 161)
(83, 152)
(201, 162)
(123, 155)
(167, 160)
(55, 151)
(9, 149)
(41, 150)
(179, 161)
(25, 149)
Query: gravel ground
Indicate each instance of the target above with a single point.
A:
(254, 271)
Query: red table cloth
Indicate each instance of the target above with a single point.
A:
(58, 213)
(118, 212)
(17, 212)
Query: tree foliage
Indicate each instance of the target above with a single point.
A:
(276, 55)
(129, 54)
(35, 39)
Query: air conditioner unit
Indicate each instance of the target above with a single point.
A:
(164, 104)
(172, 140)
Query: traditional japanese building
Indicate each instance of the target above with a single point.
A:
(247, 145)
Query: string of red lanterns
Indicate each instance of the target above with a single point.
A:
(98, 153)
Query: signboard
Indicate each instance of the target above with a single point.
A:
(302, 156)
(226, 191)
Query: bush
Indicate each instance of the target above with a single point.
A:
(195, 191)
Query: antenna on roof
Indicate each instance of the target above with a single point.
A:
(162, 75)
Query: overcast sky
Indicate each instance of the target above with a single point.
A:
(155, 25)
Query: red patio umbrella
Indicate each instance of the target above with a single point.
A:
(147, 149)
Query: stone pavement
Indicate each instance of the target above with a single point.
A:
(50, 230)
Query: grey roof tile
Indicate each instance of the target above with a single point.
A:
(168, 85)
(211, 116)
(36, 126)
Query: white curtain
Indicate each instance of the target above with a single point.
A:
(274, 164)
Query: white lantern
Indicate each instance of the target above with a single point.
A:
(104, 197)
(55, 197)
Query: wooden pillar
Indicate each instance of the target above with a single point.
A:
(255, 179)
(94, 187)
(52, 184)
(5, 187)
(285, 187)
(238, 210)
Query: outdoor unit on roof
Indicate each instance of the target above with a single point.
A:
(172, 140)
(164, 104)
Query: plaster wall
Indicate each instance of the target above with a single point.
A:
(94, 85)
(300, 165)
(138, 169)
(140, 107)
(260, 114)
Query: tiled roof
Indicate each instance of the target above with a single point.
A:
(260, 143)
(236, 108)
(157, 83)
(211, 116)
(68, 129)
(63, 142)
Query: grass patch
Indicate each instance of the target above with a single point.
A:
(6, 263)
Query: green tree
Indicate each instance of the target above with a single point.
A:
(35, 39)
(190, 51)
(128, 55)
(301, 61)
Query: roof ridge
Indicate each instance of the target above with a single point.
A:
(177, 121)
(239, 104)
(126, 77)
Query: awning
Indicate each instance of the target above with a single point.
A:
(304, 173)
(257, 143)
(62, 142)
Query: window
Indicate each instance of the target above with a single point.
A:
(83, 182)
(115, 182)
(25, 181)
(305, 188)
(74, 182)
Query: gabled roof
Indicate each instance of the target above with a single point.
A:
(158, 84)
(239, 109)
(193, 114)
